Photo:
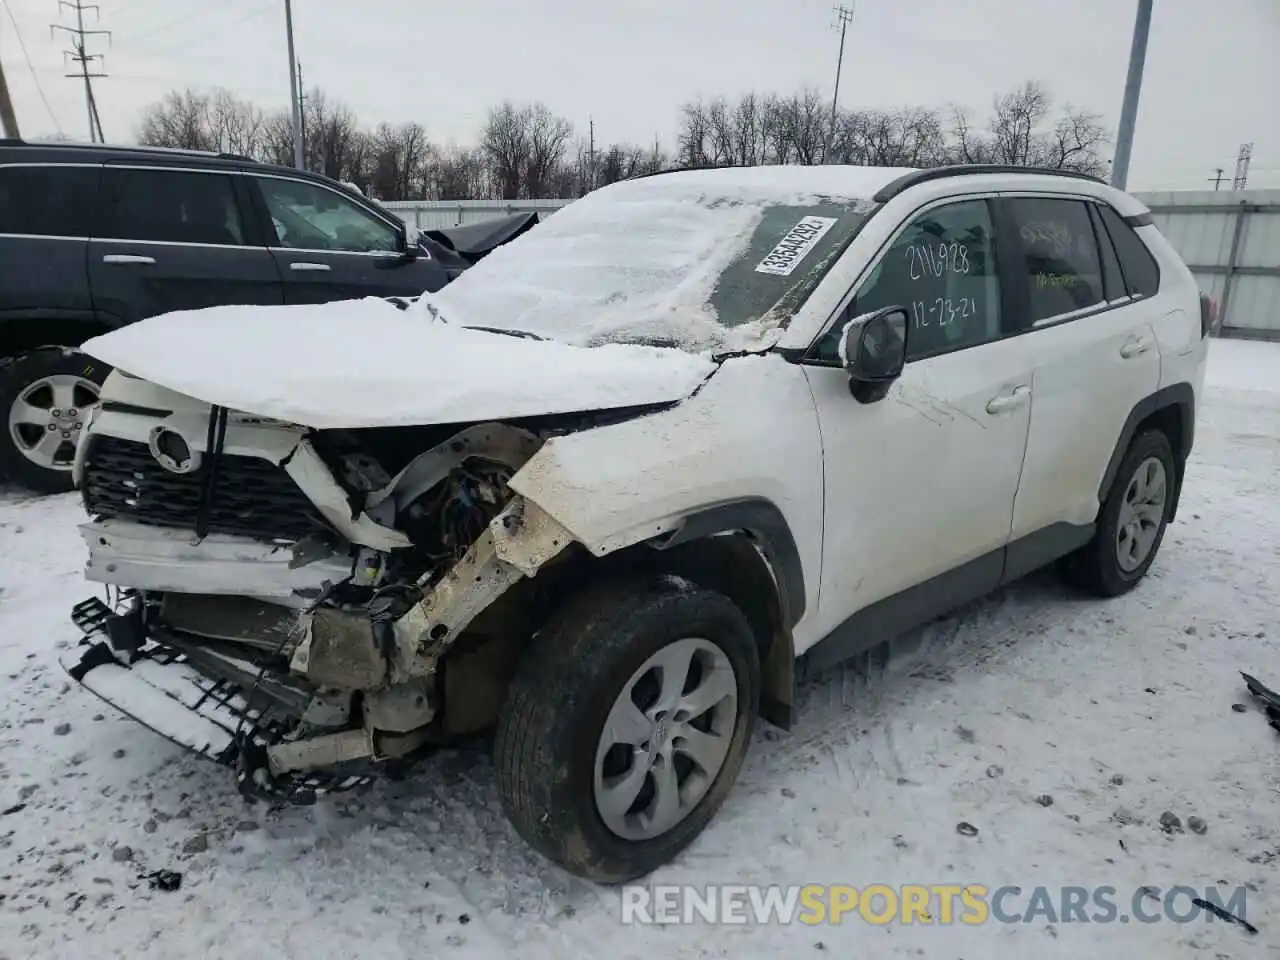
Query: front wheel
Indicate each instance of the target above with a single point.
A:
(1132, 521)
(626, 726)
(45, 396)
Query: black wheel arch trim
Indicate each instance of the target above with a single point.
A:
(764, 523)
(1180, 395)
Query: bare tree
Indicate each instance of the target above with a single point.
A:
(693, 134)
(1020, 132)
(180, 120)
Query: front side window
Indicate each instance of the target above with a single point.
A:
(50, 201)
(309, 217)
(1061, 260)
(943, 269)
(170, 206)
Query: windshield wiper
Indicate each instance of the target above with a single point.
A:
(521, 334)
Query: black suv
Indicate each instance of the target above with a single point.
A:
(95, 237)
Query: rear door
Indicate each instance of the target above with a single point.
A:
(174, 239)
(1095, 355)
(329, 247)
(45, 213)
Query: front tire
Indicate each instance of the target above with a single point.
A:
(1132, 521)
(626, 726)
(45, 396)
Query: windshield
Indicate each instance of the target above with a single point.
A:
(680, 262)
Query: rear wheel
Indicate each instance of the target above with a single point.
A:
(626, 726)
(45, 396)
(1132, 521)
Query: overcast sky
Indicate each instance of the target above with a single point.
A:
(1212, 79)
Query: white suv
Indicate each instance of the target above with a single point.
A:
(618, 488)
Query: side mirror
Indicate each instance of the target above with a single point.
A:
(873, 349)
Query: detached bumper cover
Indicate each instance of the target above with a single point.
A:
(158, 687)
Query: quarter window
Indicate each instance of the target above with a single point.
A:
(943, 269)
(50, 201)
(1140, 271)
(309, 217)
(1061, 260)
(171, 206)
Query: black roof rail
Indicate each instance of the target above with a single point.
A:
(124, 147)
(908, 180)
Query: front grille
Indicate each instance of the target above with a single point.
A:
(252, 498)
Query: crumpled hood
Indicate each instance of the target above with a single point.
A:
(366, 363)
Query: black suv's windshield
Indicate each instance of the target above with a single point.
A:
(698, 266)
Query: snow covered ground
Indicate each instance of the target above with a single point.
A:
(1119, 711)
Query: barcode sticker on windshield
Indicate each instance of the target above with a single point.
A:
(795, 246)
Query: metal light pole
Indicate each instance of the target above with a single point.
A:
(8, 119)
(293, 87)
(1132, 88)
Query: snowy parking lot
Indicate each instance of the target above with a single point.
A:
(1065, 730)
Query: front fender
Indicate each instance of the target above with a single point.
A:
(748, 436)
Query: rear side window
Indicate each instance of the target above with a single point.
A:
(50, 201)
(1141, 273)
(171, 207)
(1061, 259)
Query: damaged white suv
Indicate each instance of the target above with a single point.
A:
(621, 486)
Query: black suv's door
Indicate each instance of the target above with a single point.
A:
(45, 213)
(329, 247)
(176, 239)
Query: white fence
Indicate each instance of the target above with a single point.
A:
(1231, 241)
(432, 214)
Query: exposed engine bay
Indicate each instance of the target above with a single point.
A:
(300, 604)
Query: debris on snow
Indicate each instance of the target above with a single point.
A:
(1170, 822)
(164, 880)
(1197, 825)
(62, 729)
(122, 854)
(966, 829)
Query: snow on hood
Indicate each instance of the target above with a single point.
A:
(366, 363)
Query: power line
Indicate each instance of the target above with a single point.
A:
(31, 66)
(79, 55)
(155, 51)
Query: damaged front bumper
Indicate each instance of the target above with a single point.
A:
(156, 684)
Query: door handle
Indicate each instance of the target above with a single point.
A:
(1135, 347)
(1019, 397)
(309, 267)
(126, 258)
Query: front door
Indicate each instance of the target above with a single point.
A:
(920, 486)
(1095, 353)
(174, 240)
(331, 248)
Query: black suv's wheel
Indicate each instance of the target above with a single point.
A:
(626, 726)
(1131, 523)
(45, 396)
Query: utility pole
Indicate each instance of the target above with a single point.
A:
(1242, 167)
(80, 56)
(302, 112)
(296, 110)
(1132, 88)
(843, 16)
(1217, 179)
(8, 119)
(591, 156)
